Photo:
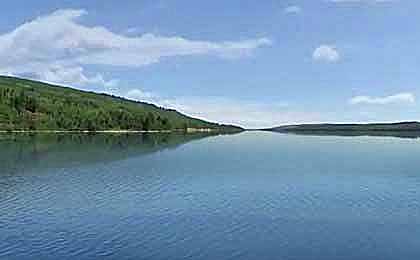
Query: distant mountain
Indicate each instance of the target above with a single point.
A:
(401, 129)
(32, 105)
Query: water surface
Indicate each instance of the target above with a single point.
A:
(255, 195)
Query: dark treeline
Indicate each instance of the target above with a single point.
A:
(29, 105)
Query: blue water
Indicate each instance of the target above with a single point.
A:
(253, 195)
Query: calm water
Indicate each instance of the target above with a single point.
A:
(248, 196)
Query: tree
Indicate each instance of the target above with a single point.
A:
(31, 104)
(19, 101)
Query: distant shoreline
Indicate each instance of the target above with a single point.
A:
(401, 129)
(394, 127)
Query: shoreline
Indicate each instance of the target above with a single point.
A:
(189, 130)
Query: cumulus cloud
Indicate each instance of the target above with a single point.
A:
(401, 98)
(293, 9)
(326, 53)
(57, 47)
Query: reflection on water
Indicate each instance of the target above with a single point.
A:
(20, 152)
(255, 195)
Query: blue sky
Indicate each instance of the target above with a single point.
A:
(253, 63)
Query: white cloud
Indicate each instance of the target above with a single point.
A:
(240, 112)
(401, 98)
(57, 48)
(227, 110)
(326, 53)
(56, 73)
(140, 95)
(293, 9)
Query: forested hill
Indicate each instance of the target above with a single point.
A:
(31, 105)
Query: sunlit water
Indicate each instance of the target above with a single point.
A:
(253, 195)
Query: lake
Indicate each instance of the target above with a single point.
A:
(253, 195)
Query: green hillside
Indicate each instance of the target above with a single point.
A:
(31, 105)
